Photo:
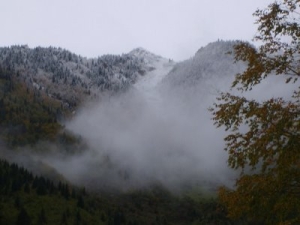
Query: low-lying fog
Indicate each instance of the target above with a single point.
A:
(157, 136)
(155, 133)
(163, 137)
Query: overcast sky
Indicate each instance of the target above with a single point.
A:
(171, 28)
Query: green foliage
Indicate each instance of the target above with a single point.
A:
(23, 218)
(60, 203)
(26, 115)
(269, 141)
(46, 202)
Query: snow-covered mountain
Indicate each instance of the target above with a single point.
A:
(211, 69)
(159, 68)
(159, 131)
(156, 130)
(71, 78)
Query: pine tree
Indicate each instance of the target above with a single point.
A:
(42, 217)
(23, 218)
(80, 202)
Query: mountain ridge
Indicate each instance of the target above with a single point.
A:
(115, 123)
(206, 68)
(71, 78)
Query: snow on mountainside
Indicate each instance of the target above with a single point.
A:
(157, 132)
(146, 55)
(71, 78)
(160, 131)
(160, 67)
(211, 69)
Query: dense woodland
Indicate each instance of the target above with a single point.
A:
(70, 78)
(29, 199)
(27, 115)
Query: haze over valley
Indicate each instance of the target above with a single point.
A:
(119, 126)
(143, 119)
(138, 119)
(149, 112)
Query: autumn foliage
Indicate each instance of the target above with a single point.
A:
(267, 149)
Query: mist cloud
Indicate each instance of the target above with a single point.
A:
(160, 131)
(136, 139)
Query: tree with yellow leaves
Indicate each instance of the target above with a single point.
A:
(269, 142)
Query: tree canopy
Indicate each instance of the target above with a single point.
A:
(265, 135)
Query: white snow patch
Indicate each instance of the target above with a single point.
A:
(148, 83)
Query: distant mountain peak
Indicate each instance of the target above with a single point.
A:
(209, 65)
(217, 47)
(145, 54)
(140, 50)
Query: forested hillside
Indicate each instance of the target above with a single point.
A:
(210, 69)
(39, 89)
(138, 139)
(42, 87)
(70, 78)
(28, 199)
(26, 115)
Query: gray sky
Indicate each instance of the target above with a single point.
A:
(172, 28)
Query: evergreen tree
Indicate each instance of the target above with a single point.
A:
(64, 219)
(23, 218)
(80, 202)
(42, 217)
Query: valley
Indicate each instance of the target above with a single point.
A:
(122, 126)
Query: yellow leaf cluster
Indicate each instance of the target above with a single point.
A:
(268, 148)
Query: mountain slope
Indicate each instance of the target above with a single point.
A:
(160, 67)
(160, 131)
(26, 115)
(41, 86)
(29, 199)
(70, 78)
(211, 69)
